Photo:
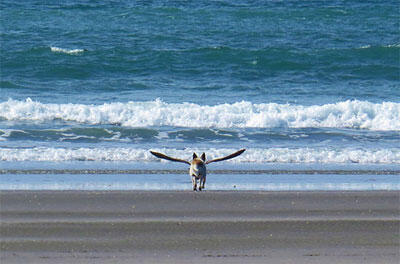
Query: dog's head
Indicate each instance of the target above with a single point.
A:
(202, 157)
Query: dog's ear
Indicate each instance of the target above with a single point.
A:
(194, 155)
(203, 156)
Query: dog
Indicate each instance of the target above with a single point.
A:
(197, 171)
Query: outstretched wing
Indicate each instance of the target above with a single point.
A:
(162, 156)
(237, 153)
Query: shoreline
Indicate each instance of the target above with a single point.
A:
(215, 171)
(215, 182)
(211, 226)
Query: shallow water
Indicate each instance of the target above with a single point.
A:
(220, 181)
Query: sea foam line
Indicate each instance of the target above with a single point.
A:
(66, 51)
(254, 155)
(347, 114)
(181, 171)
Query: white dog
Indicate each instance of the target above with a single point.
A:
(198, 170)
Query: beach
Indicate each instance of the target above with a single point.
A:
(194, 227)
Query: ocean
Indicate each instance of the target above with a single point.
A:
(311, 89)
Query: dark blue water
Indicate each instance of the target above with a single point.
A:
(299, 52)
(294, 82)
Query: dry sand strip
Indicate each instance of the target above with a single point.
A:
(207, 227)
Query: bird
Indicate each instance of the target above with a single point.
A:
(198, 170)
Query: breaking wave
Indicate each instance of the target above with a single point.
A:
(66, 51)
(254, 155)
(346, 114)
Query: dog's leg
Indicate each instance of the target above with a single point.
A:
(194, 183)
(203, 182)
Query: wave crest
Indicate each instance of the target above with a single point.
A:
(347, 114)
(66, 51)
(255, 155)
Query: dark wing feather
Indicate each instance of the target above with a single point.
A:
(237, 153)
(162, 156)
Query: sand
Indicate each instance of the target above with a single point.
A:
(202, 227)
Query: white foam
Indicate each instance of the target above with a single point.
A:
(384, 46)
(254, 155)
(393, 46)
(66, 51)
(347, 114)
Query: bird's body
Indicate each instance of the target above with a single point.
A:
(198, 170)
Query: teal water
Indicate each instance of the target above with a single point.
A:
(297, 52)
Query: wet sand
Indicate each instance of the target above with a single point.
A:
(206, 227)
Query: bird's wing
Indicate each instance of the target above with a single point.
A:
(237, 153)
(162, 156)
